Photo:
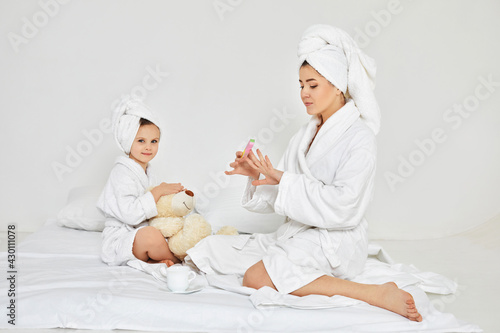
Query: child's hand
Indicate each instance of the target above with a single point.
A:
(171, 188)
(166, 189)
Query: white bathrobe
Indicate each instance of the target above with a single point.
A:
(127, 205)
(324, 193)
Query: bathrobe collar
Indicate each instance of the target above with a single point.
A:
(327, 137)
(136, 169)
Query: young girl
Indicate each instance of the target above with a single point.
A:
(125, 200)
(322, 185)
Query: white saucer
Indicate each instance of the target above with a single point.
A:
(189, 290)
(196, 285)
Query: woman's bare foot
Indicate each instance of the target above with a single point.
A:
(388, 296)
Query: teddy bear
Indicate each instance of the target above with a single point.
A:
(182, 230)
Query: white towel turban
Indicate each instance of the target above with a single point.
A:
(337, 57)
(126, 121)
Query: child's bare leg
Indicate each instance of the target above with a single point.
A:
(387, 296)
(151, 246)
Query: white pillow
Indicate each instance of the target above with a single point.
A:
(225, 209)
(80, 211)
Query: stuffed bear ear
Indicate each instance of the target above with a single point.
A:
(183, 203)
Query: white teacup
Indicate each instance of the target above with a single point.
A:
(178, 277)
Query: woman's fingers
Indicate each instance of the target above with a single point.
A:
(268, 161)
(239, 165)
(265, 161)
(255, 160)
(253, 165)
(251, 157)
(261, 158)
(260, 163)
(244, 166)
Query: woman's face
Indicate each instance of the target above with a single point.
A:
(318, 95)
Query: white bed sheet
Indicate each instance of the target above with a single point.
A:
(61, 282)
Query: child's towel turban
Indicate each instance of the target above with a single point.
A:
(126, 121)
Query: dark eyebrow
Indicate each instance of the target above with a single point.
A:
(308, 80)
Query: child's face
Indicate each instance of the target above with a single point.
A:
(145, 145)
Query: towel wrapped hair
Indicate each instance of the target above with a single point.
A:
(337, 57)
(126, 121)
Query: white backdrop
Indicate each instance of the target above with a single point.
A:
(221, 71)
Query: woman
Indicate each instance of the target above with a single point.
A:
(322, 185)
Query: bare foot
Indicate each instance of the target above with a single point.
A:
(167, 262)
(388, 296)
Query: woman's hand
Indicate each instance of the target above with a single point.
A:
(264, 166)
(242, 167)
(166, 189)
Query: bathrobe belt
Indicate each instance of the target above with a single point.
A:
(292, 228)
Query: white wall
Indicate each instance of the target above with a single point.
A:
(225, 70)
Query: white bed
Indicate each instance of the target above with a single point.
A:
(61, 283)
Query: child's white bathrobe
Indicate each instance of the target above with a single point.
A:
(127, 205)
(324, 193)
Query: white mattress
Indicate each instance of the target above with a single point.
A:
(61, 282)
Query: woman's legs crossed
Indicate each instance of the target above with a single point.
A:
(151, 246)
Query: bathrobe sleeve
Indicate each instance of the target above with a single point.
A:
(340, 205)
(259, 199)
(125, 200)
